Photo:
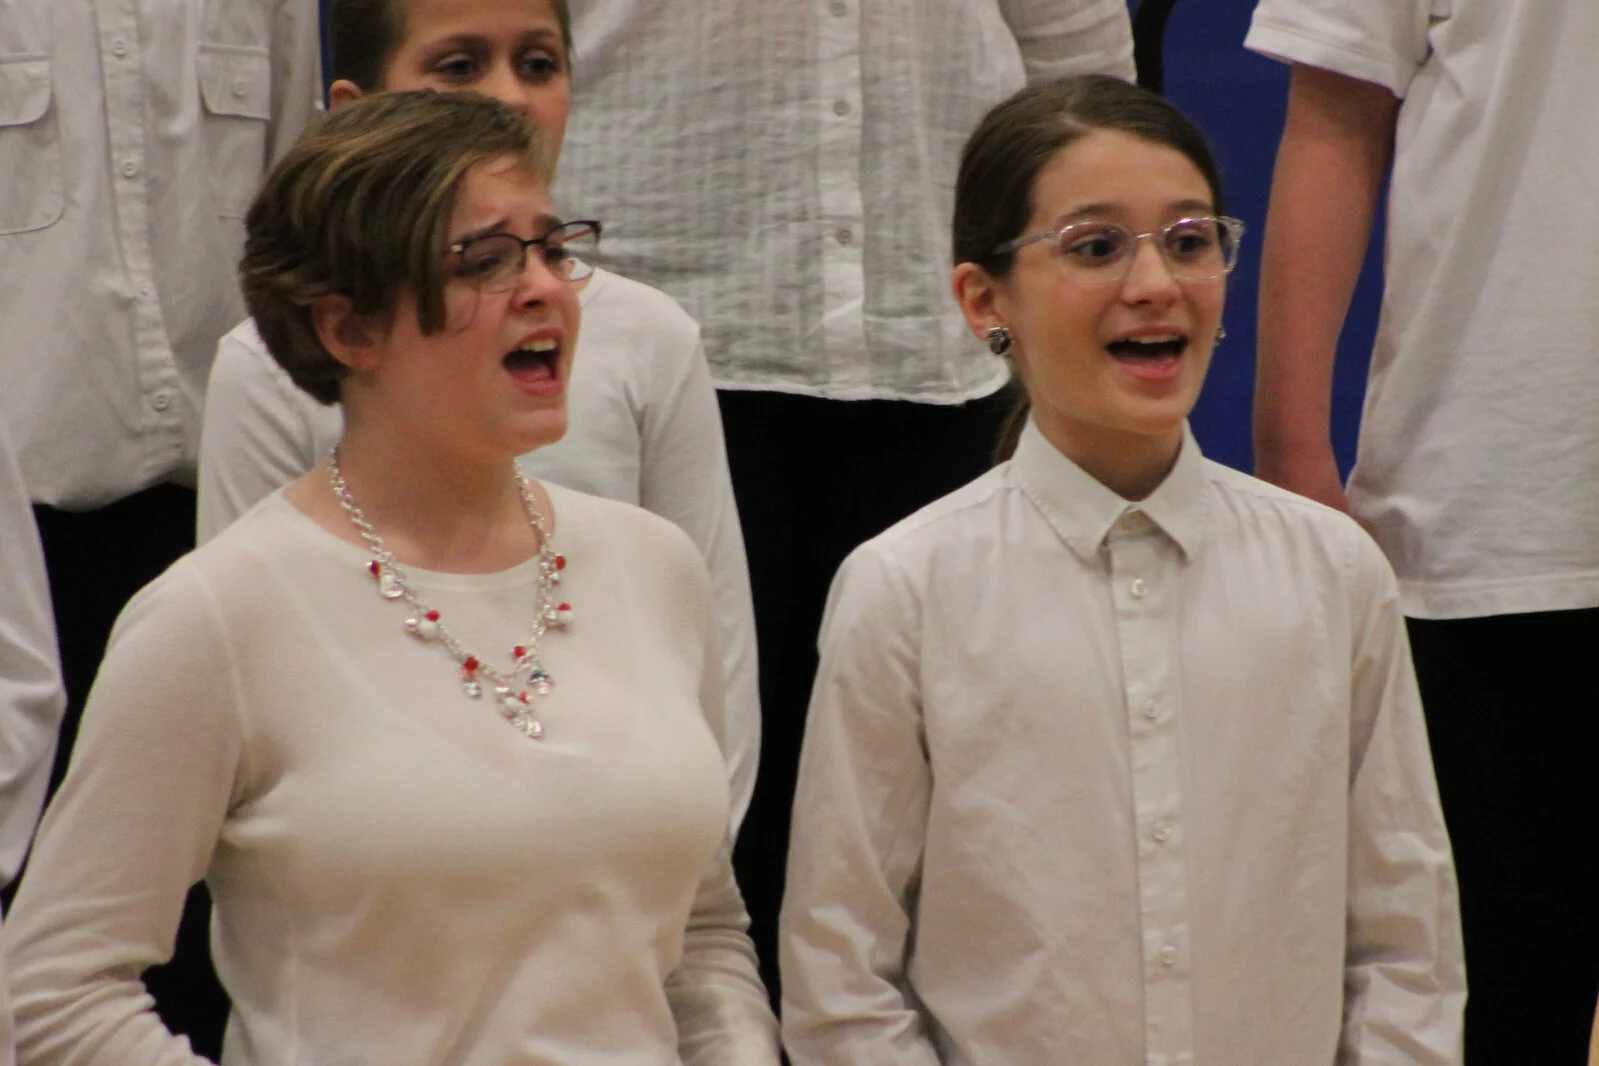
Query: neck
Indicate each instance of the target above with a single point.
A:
(1132, 465)
(433, 510)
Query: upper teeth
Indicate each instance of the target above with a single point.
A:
(545, 344)
(1158, 338)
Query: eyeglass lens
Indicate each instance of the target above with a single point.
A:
(496, 262)
(1194, 249)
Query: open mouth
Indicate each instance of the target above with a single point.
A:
(1149, 349)
(534, 361)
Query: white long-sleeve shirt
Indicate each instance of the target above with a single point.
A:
(399, 875)
(643, 428)
(31, 697)
(1088, 781)
(785, 169)
(133, 135)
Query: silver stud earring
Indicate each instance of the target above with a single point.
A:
(1221, 333)
(1000, 340)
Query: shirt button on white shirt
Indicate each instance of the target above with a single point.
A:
(843, 235)
(841, 107)
(838, 8)
(1161, 832)
(1140, 588)
(240, 87)
(1168, 956)
(1151, 710)
(119, 47)
(129, 168)
(161, 401)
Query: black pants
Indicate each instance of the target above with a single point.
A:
(96, 561)
(1513, 718)
(813, 479)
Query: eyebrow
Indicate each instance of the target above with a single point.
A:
(547, 221)
(1100, 209)
(468, 41)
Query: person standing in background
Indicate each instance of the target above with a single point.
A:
(133, 135)
(1480, 437)
(784, 170)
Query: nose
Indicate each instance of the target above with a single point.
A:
(539, 282)
(502, 84)
(1149, 276)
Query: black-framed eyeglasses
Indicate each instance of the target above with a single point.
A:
(1102, 253)
(495, 262)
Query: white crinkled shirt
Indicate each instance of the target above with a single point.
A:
(785, 169)
(1087, 781)
(642, 427)
(1479, 441)
(400, 877)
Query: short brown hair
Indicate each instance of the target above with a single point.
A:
(360, 207)
(365, 34)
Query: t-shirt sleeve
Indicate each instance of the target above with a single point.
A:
(1058, 38)
(260, 431)
(134, 826)
(1385, 42)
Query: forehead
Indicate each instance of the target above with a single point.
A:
(500, 190)
(430, 20)
(1112, 174)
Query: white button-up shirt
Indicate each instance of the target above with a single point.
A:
(133, 135)
(785, 169)
(1088, 781)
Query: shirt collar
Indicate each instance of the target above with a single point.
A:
(1083, 511)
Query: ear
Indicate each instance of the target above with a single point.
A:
(352, 339)
(978, 294)
(343, 92)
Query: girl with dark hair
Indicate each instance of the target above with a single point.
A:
(1115, 755)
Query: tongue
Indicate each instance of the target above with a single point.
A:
(529, 367)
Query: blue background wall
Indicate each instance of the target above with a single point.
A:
(1238, 98)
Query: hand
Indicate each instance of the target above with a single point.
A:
(1311, 472)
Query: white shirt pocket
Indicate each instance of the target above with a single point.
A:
(236, 87)
(31, 191)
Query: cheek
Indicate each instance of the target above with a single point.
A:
(549, 107)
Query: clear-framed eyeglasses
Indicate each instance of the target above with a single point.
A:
(495, 262)
(1102, 253)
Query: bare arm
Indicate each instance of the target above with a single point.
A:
(1335, 150)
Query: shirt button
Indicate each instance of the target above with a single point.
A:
(161, 401)
(129, 168)
(843, 235)
(838, 8)
(1151, 710)
(119, 47)
(841, 107)
(1140, 588)
(144, 289)
(240, 87)
(1161, 832)
(1168, 956)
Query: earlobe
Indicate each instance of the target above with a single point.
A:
(978, 295)
(348, 337)
(342, 93)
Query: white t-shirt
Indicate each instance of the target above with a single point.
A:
(400, 877)
(1088, 781)
(786, 170)
(643, 428)
(133, 135)
(31, 697)
(1479, 445)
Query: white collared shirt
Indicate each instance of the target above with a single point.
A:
(31, 697)
(785, 169)
(1087, 781)
(133, 135)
